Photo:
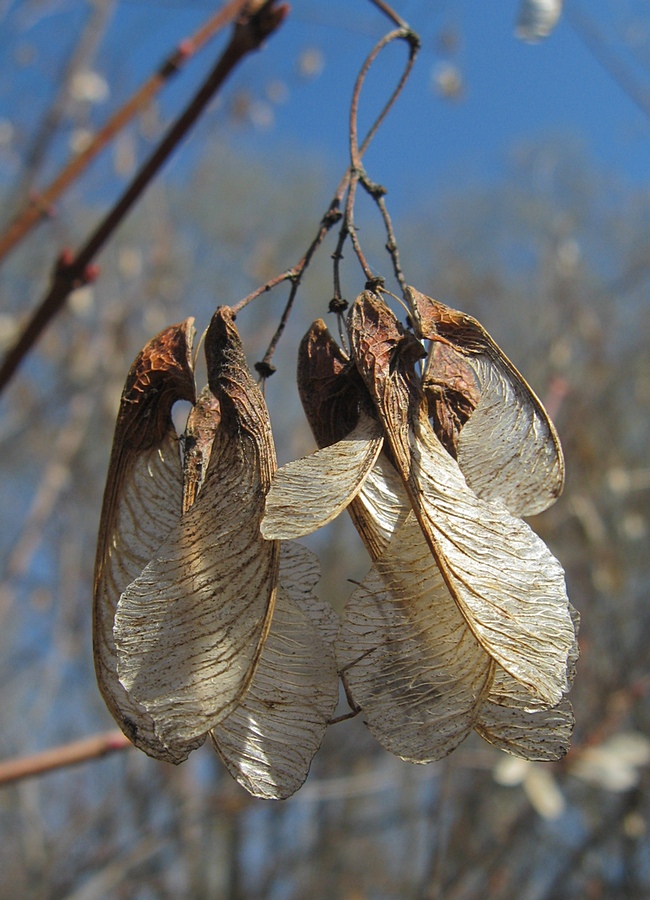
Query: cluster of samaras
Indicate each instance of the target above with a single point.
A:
(205, 617)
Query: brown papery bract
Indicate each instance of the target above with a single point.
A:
(508, 449)
(142, 503)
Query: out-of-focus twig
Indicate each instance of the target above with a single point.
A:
(73, 271)
(66, 755)
(40, 203)
(597, 45)
(78, 59)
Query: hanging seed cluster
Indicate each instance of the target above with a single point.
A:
(206, 622)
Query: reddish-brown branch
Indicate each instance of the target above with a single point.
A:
(41, 203)
(67, 755)
(69, 273)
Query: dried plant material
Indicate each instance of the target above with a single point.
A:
(407, 655)
(506, 583)
(142, 503)
(190, 628)
(202, 424)
(268, 742)
(387, 625)
(310, 492)
(452, 394)
(508, 449)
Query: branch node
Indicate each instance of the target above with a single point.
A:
(375, 284)
(264, 369)
(338, 305)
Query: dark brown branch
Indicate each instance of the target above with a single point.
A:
(70, 273)
(41, 202)
(67, 755)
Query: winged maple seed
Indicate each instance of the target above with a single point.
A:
(509, 448)
(141, 505)
(196, 647)
(463, 621)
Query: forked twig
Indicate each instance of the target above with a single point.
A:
(348, 183)
(73, 271)
(356, 152)
(41, 203)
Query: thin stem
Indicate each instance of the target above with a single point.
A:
(388, 11)
(378, 193)
(247, 36)
(405, 34)
(349, 182)
(67, 755)
(350, 226)
(356, 152)
(42, 202)
(327, 222)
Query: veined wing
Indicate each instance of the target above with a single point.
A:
(514, 721)
(142, 503)
(507, 585)
(508, 449)
(189, 630)
(310, 492)
(407, 655)
(269, 740)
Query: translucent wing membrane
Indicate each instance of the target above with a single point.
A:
(518, 724)
(190, 628)
(310, 492)
(507, 585)
(508, 448)
(142, 504)
(407, 655)
(268, 742)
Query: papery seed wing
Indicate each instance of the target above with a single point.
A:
(300, 573)
(310, 492)
(333, 397)
(269, 740)
(407, 655)
(331, 392)
(190, 629)
(514, 721)
(202, 424)
(508, 449)
(541, 736)
(142, 503)
(380, 507)
(508, 585)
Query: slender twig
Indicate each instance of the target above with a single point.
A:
(330, 218)
(392, 15)
(42, 202)
(348, 183)
(377, 192)
(356, 152)
(596, 43)
(77, 59)
(66, 755)
(73, 272)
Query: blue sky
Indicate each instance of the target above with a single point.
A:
(513, 93)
